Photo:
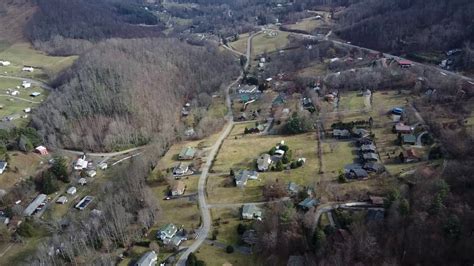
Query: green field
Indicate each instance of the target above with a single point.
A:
(265, 43)
(214, 256)
(21, 54)
(241, 44)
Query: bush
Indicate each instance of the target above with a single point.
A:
(214, 234)
(229, 249)
(27, 229)
(279, 166)
(241, 228)
(342, 178)
(285, 159)
(294, 165)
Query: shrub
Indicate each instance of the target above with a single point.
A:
(342, 178)
(229, 249)
(26, 229)
(279, 166)
(241, 229)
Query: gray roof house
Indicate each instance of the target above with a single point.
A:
(149, 259)
(263, 162)
(244, 175)
(409, 139)
(341, 133)
(368, 148)
(180, 169)
(308, 203)
(370, 157)
(251, 211)
(167, 232)
(34, 204)
(293, 188)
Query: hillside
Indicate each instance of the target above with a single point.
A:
(408, 26)
(129, 92)
(14, 15)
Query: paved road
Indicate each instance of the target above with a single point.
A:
(101, 154)
(203, 207)
(32, 81)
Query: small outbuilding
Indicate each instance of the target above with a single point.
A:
(62, 200)
(41, 150)
(251, 211)
(71, 190)
(178, 188)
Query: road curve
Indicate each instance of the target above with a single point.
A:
(32, 81)
(203, 206)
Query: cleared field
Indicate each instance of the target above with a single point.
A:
(214, 256)
(241, 44)
(307, 25)
(336, 154)
(315, 70)
(21, 166)
(21, 54)
(182, 211)
(265, 43)
(170, 158)
(351, 101)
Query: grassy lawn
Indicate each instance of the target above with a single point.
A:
(342, 153)
(240, 152)
(241, 44)
(265, 43)
(228, 220)
(351, 101)
(214, 256)
(21, 166)
(178, 211)
(170, 158)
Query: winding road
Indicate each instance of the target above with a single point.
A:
(203, 206)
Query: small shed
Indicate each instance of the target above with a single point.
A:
(71, 190)
(187, 153)
(82, 181)
(62, 200)
(409, 139)
(41, 150)
(178, 188)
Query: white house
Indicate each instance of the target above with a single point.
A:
(82, 181)
(28, 69)
(62, 200)
(81, 164)
(102, 166)
(26, 84)
(15, 93)
(71, 190)
(167, 232)
(91, 173)
(5, 63)
(27, 110)
(35, 94)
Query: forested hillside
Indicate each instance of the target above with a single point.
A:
(129, 92)
(408, 25)
(73, 24)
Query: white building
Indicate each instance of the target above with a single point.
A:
(26, 84)
(71, 190)
(80, 164)
(28, 69)
(5, 63)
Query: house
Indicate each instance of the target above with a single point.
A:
(402, 128)
(187, 153)
(62, 200)
(26, 84)
(341, 133)
(244, 175)
(404, 63)
(5, 63)
(3, 166)
(81, 164)
(15, 93)
(370, 157)
(364, 141)
(409, 156)
(82, 181)
(176, 240)
(373, 167)
(358, 173)
(264, 162)
(409, 139)
(149, 259)
(31, 208)
(181, 169)
(102, 166)
(374, 200)
(178, 188)
(91, 173)
(251, 211)
(28, 69)
(84, 202)
(41, 150)
(279, 153)
(167, 232)
(71, 190)
(308, 203)
(293, 188)
(189, 132)
(360, 133)
(368, 148)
